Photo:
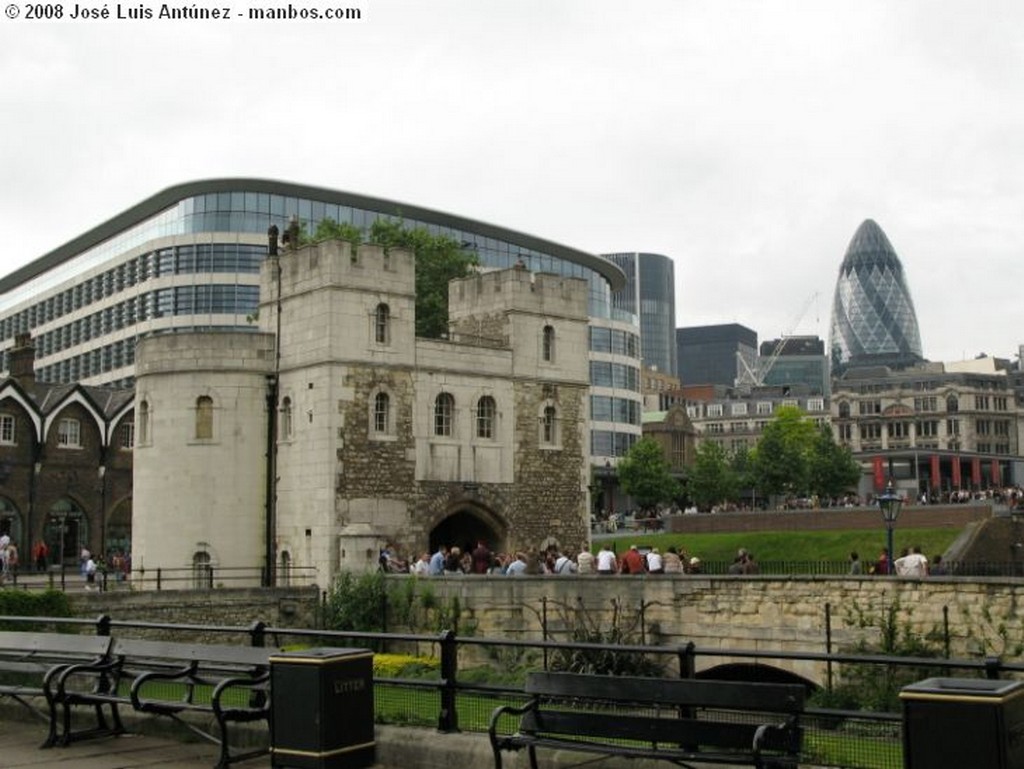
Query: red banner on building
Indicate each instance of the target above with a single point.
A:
(976, 471)
(879, 475)
(936, 478)
(956, 472)
(996, 480)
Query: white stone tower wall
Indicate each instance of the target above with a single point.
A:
(195, 494)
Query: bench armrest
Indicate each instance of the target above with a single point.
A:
(186, 672)
(256, 683)
(789, 727)
(507, 710)
(56, 680)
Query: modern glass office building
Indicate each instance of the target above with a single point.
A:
(188, 259)
(873, 317)
(711, 354)
(650, 292)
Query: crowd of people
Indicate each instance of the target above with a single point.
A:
(480, 559)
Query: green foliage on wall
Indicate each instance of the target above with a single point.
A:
(22, 603)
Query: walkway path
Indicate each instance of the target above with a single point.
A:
(20, 740)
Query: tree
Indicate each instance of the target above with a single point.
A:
(711, 479)
(644, 475)
(834, 471)
(328, 229)
(439, 259)
(782, 458)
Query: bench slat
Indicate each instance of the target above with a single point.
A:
(676, 720)
(769, 698)
(686, 731)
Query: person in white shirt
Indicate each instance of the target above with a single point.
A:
(654, 562)
(913, 564)
(606, 561)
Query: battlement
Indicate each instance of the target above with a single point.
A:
(338, 263)
(518, 289)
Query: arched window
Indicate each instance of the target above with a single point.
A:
(204, 418)
(952, 404)
(202, 570)
(144, 423)
(381, 324)
(444, 413)
(844, 410)
(284, 578)
(286, 424)
(548, 344)
(486, 411)
(382, 414)
(549, 426)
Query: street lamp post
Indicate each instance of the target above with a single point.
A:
(890, 503)
(610, 492)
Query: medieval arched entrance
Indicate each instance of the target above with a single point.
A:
(466, 524)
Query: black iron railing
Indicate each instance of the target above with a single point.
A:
(449, 698)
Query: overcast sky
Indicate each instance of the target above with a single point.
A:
(746, 140)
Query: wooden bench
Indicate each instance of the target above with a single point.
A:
(28, 661)
(173, 679)
(676, 720)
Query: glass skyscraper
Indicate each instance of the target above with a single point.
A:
(650, 292)
(873, 318)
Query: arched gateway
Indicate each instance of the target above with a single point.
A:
(468, 523)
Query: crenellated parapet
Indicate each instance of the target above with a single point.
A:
(366, 267)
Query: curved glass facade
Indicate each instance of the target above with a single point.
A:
(188, 258)
(873, 315)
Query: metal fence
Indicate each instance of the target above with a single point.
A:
(204, 577)
(217, 577)
(455, 688)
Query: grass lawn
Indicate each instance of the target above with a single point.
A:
(790, 545)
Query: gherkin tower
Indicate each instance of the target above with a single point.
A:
(873, 318)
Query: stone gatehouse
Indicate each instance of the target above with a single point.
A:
(332, 430)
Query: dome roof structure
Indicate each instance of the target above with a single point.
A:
(873, 317)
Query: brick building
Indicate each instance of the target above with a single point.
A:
(65, 463)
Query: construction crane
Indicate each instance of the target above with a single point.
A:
(755, 376)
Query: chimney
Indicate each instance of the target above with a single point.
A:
(22, 358)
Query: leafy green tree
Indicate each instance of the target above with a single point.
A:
(834, 471)
(328, 229)
(711, 479)
(742, 464)
(782, 458)
(439, 259)
(645, 475)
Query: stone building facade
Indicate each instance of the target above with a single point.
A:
(928, 430)
(335, 430)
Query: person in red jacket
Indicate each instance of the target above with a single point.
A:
(633, 562)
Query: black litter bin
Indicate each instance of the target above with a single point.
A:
(322, 709)
(969, 722)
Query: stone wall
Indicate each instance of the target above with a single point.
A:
(839, 518)
(749, 613)
(718, 614)
(279, 607)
